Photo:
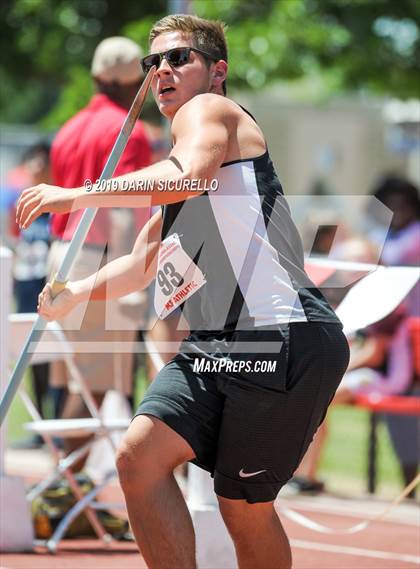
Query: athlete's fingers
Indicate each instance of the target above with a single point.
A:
(31, 209)
(24, 197)
(55, 307)
(32, 214)
(28, 204)
(48, 291)
(44, 307)
(44, 299)
(44, 198)
(40, 299)
(46, 314)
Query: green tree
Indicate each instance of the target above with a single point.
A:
(369, 44)
(47, 46)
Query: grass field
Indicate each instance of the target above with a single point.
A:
(344, 462)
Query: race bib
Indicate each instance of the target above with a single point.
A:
(177, 278)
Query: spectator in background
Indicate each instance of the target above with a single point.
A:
(383, 357)
(402, 247)
(402, 243)
(79, 152)
(382, 360)
(30, 260)
(31, 249)
(356, 249)
(15, 180)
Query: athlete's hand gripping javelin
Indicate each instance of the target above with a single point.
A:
(121, 276)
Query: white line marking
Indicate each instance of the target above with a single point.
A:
(354, 551)
(405, 514)
(315, 526)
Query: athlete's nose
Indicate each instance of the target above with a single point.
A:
(164, 67)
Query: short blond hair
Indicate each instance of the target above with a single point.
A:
(207, 35)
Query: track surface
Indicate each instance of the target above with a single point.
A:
(393, 543)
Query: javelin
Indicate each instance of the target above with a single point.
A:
(60, 279)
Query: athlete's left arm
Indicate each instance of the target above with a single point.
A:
(200, 130)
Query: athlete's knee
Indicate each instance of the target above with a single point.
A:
(148, 452)
(239, 516)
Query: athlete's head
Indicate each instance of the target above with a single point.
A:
(184, 73)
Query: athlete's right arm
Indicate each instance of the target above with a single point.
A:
(119, 277)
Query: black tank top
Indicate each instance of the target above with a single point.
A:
(243, 239)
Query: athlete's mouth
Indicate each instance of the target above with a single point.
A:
(167, 89)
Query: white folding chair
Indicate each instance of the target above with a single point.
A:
(53, 347)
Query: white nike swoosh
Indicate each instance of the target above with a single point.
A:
(243, 474)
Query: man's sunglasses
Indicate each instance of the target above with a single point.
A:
(176, 57)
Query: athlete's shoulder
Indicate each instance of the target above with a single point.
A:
(208, 105)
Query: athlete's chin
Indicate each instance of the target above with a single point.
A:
(168, 109)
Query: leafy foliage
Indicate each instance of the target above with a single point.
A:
(371, 44)
(346, 44)
(49, 46)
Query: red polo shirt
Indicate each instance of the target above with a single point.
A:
(80, 151)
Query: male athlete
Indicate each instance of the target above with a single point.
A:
(254, 378)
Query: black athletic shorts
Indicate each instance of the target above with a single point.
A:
(250, 402)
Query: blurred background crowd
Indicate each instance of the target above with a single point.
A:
(334, 85)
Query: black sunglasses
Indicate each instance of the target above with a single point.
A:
(176, 57)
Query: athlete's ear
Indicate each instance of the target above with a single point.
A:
(219, 73)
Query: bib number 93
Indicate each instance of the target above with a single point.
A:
(168, 279)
